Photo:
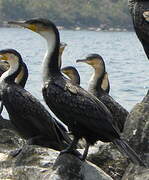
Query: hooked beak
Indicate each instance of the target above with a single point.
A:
(64, 71)
(3, 57)
(63, 45)
(23, 24)
(81, 60)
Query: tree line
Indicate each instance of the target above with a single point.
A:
(70, 13)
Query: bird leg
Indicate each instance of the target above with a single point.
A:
(71, 147)
(85, 152)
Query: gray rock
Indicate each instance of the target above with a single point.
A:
(136, 132)
(9, 141)
(69, 167)
(136, 173)
(136, 129)
(39, 163)
(109, 159)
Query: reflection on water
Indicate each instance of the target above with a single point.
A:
(125, 60)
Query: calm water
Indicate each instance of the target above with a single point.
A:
(125, 60)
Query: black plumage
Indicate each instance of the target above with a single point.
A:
(29, 117)
(141, 26)
(95, 87)
(83, 113)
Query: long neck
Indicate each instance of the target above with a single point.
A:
(96, 81)
(22, 76)
(105, 85)
(60, 60)
(77, 79)
(12, 72)
(51, 59)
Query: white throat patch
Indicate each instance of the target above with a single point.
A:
(51, 40)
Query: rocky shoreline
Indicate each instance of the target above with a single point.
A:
(104, 161)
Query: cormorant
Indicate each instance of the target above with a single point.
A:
(23, 75)
(85, 116)
(29, 117)
(72, 73)
(95, 87)
(20, 79)
(137, 9)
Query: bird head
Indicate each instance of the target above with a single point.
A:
(69, 70)
(94, 60)
(72, 73)
(10, 56)
(38, 25)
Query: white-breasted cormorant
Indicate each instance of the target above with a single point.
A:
(20, 79)
(85, 116)
(72, 73)
(95, 87)
(137, 9)
(29, 117)
(22, 76)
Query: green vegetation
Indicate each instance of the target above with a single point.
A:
(70, 13)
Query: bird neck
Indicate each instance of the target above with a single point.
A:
(60, 60)
(22, 76)
(12, 72)
(51, 59)
(105, 85)
(77, 79)
(96, 81)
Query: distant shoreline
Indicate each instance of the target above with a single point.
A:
(97, 29)
(79, 28)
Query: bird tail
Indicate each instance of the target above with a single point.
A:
(126, 150)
